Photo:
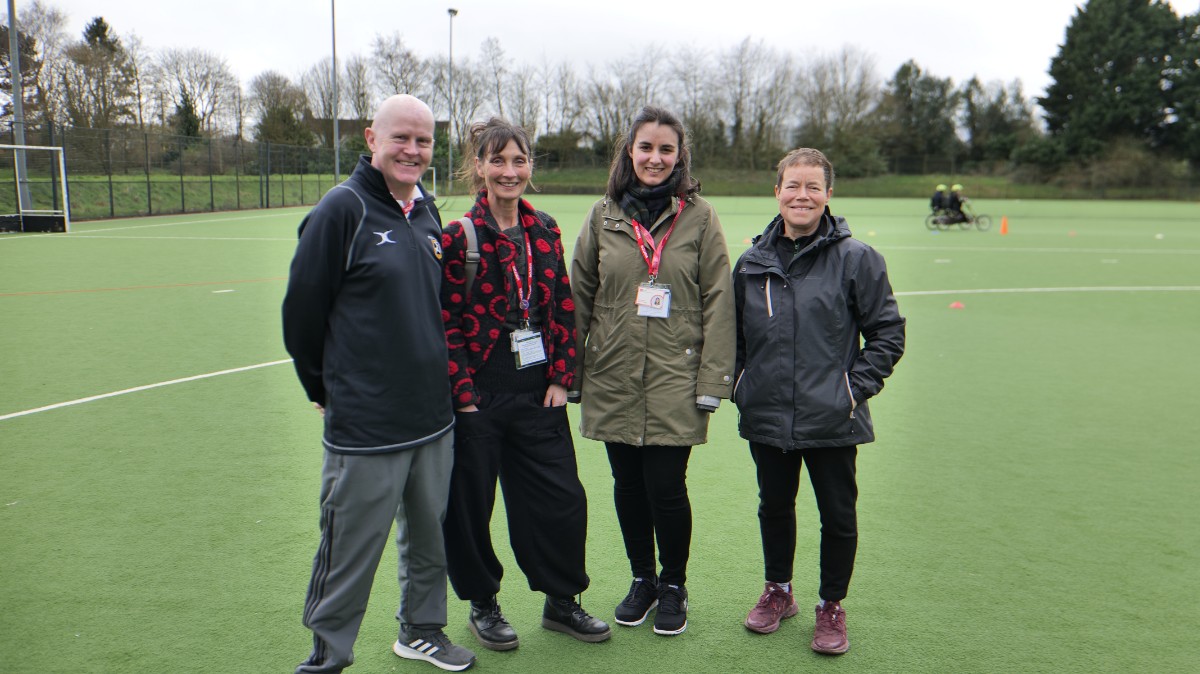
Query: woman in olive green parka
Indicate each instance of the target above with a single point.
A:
(648, 381)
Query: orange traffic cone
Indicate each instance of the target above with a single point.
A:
(1003, 225)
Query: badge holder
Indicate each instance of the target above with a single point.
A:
(527, 346)
(653, 300)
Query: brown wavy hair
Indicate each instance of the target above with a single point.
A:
(487, 138)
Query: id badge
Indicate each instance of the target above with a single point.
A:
(528, 348)
(653, 300)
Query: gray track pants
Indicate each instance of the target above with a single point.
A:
(361, 495)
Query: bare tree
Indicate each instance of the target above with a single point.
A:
(357, 87)
(561, 92)
(317, 82)
(47, 26)
(839, 91)
(524, 99)
(470, 93)
(140, 64)
(757, 81)
(204, 77)
(492, 58)
(397, 69)
(614, 97)
(272, 89)
(699, 101)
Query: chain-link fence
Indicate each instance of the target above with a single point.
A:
(120, 173)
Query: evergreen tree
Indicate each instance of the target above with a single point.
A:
(997, 120)
(279, 106)
(185, 119)
(27, 53)
(1109, 74)
(279, 125)
(1183, 92)
(917, 118)
(98, 81)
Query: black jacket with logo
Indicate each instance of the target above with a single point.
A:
(816, 337)
(362, 319)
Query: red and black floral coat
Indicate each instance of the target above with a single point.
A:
(474, 320)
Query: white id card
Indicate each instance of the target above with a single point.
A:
(528, 347)
(653, 300)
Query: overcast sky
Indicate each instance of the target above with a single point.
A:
(947, 38)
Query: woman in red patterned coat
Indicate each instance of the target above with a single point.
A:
(511, 337)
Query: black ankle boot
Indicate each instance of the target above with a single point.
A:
(566, 616)
(488, 625)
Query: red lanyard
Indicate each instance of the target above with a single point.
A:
(646, 240)
(524, 293)
(407, 207)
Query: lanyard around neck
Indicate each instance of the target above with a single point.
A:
(646, 240)
(524, 290)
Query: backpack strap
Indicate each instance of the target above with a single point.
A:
(472, 264)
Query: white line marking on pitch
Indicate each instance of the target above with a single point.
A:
(206, 221)
(1106, 251)
(135, 389)
(1082, 289)
(218, 292)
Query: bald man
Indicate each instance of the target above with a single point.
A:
(363, 324)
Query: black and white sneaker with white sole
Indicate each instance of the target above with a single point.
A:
(434, 648)
(642, 597)
(671, 618)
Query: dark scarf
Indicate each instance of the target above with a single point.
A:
(646, 204)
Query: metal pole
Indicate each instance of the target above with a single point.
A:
(62, 170)
(14, 63)
(149, 190)
(212, 188)
(112, 207)
(182, 198)
(337, 156)
(449, 129)
(237, 172)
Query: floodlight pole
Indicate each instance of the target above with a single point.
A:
(450, 128)
(18, 96)
(337, 146)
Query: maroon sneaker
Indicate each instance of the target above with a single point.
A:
(774, 605)
(829, 634)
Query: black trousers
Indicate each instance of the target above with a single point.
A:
(530, 448)
(650, 494)
(831, 470)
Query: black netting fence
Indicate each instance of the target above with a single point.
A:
(120, 173)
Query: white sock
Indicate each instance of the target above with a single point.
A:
(787, 587)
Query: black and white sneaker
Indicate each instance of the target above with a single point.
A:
(671, 618)
(643, 596)
(434, 648)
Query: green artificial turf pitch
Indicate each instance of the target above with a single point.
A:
(1031, 503)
